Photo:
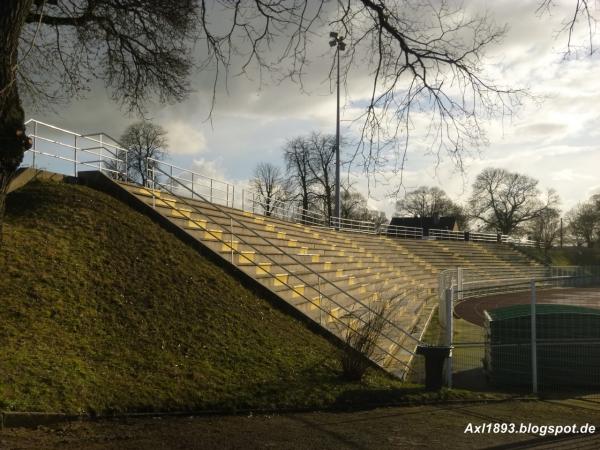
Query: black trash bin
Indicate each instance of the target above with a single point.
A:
(434, 365)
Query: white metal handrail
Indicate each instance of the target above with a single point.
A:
(362, 226)
(104, 153)
(37, 123)
(447, 234)
(95, 164)
(472, 284)
(469, 283)
(478, 236)
(401, 231)
(217, 191)
(85, 150)
(286, 211)
(355, 301)
(519, 242)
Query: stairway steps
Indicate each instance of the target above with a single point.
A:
(314, 268)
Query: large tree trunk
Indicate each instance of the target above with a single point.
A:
(13, 141)
(304, 206)
(328, 195)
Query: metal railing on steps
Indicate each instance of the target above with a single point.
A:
(166, 187)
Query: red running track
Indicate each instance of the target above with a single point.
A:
(472, 309)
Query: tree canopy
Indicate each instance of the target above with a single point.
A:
(504, 200)
(430, 201)
(269, 185)
(584, 222)
(143, 140)
(422, 57)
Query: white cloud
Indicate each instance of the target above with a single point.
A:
(210, 169)
(570, 175)
(554, 140)
(184, 138)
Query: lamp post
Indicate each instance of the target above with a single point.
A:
(337, 42)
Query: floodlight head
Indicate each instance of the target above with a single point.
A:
(333, 34)
(341, 46)
(332, 43)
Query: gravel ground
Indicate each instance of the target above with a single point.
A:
(383, 428)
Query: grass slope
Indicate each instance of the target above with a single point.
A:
(104, 311)
(566, 256)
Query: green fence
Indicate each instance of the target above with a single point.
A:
(499, 345)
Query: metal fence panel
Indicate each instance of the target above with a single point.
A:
(540, 336)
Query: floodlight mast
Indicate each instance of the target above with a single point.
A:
(340, 45)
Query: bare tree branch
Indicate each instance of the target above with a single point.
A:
(269, 185)
(582, 11)
(425, 60)
(504, 201)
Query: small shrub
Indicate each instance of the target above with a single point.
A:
(362, 330)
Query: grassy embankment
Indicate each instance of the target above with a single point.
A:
(104, 311)
(566, 256)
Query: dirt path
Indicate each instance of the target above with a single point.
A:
(385, 428)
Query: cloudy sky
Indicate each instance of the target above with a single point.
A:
(553, 137)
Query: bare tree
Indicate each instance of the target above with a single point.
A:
(310, 163)
(430, 201)
(584, 223)
(13, 141)
(545, 228)
(503, 200)
(379, 219)
(54, 49)
(583, 14)
(297, 159)
(143, 140)
(425, 58)
(269, 186)
(322, 167)
(354, 205)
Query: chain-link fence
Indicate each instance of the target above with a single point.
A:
(525, 336)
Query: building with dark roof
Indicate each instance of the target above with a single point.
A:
(435, 222)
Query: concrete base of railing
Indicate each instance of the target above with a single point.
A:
(27, 174)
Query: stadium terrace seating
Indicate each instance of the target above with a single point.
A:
(327, 274)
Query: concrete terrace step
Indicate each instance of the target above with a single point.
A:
(195, 223)
(345, 242)
(317, 268)
(342, 250)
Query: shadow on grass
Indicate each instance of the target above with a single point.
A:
(476, 381)
(372, 398)
(25, 204)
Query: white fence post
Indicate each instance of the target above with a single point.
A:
(460, 283)
(449, 297)
(534, 377)
(126, 169)
(75, 157)
(34, 144)
(171, 177)
(231, 237)
(192, 185)
(101, 152)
